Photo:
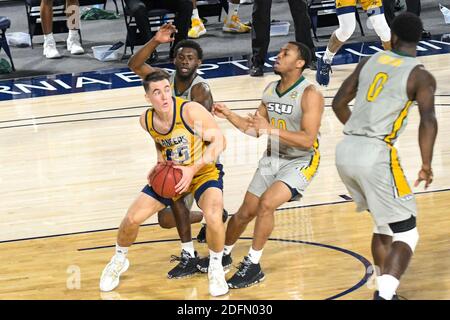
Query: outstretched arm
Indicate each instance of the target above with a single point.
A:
(137, 61)
(242, 123)
(346, 93)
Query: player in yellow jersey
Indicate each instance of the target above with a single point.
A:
(186, 83)
(186, 133)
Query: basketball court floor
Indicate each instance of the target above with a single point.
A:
(71, 164)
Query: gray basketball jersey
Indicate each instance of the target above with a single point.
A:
(381, 103)
(285, 112)
(186, 94)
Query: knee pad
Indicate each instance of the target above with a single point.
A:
(347, 25)
(410, 237)
(381, 27)
(384, 229)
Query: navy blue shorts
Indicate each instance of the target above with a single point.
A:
(149, 191)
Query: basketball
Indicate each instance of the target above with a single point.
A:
(164, 179)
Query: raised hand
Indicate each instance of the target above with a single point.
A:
(164, 34)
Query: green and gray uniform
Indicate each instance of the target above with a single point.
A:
(187, 93)
(294, 166)
(366, 159)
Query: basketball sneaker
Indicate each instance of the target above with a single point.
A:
(203, 263)
(235, 25)
(201, 237)
(50, 51)
(197, 29)
(376, 296)
(323, 72)
(111, 274)
(74, 45)
(217, 283)
(247, 275)
(185, 268)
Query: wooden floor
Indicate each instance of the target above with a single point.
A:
(67, 180)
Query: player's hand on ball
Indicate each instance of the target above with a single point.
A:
(186, 179)
(425, 174)
(220, 110)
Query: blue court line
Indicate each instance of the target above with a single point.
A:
(366, 263)
(60, 84)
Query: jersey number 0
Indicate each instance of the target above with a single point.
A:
(377, 86)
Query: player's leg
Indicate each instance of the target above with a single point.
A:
(47, 16)
(166, 218)
(302, 23)
(73, 23)
(381, 246)
(249, 271)
(210, 200)
(232, 23)
(345, 11)
(201, 236)
(395, 211)
(141, 209)
(50, 51)
(238, 223)
(183, 9)
(197, 28)
(274, 197)
(260, 35)
(404, 241)
(377, 18)
(236, 226)
(179, 212)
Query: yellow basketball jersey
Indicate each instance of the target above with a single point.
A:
(180, 144)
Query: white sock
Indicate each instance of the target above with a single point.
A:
(233, 9)
(328, 56)
(215, 259)
(195, 14)
(227, 249)
(121, 252)
(49, 37)
(255, 255)
(73, 33)
(188, 247)
(387, 285)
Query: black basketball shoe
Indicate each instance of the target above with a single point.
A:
(185, 268)
(376, 296)
(247, 275)
(203, 263)
(201, 237)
